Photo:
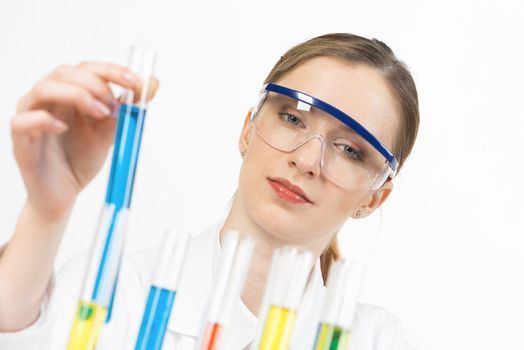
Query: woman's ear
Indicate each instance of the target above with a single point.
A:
(243, 142)
(374, 200)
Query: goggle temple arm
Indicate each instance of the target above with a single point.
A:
(258, 104)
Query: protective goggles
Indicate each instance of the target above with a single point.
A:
(351, 157)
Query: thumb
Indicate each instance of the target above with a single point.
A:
(152, 88)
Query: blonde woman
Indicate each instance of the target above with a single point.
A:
(337, 118)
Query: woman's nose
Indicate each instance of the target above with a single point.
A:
(307, 157)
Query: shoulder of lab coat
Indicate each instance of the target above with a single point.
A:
(375, 328)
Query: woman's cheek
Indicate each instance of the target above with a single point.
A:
(341, 204)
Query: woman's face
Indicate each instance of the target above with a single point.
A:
(359, 91)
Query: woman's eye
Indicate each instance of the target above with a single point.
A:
(291, 119)
(350, 152)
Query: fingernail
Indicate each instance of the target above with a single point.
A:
(59, 125)
(130, 77)
(101, 109)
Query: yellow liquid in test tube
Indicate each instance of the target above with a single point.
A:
(278, 329)
(89, 320)
(325, 334)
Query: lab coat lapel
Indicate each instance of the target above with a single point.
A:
(243, 327)
(195, 285)
(309, 311)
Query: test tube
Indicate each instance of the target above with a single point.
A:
(94, 306)
(288, 276)
(162, 292)
(343, 287)
(234, 263)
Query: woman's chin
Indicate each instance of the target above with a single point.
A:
(284, 226)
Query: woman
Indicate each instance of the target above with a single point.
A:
(307, 168)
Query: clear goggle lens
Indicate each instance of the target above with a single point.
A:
(347, 159)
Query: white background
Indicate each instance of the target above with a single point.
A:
(444, 255)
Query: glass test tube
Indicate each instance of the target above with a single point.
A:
(331, 337)
(234, 263)
(288, 276)
(162, 292)
(343, 287)
(94, 306)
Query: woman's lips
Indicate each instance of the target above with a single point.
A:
(288, 192)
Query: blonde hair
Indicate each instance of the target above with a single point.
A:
(374, 53)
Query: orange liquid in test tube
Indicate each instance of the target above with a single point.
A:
(211, 337)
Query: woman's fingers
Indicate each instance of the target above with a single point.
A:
(122, 76)
(36, 122)
(85, 87)
(86, 79)
(111, 72)
(50, 92)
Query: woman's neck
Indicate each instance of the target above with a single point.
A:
(265, 244)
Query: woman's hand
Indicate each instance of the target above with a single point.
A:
(62, 131)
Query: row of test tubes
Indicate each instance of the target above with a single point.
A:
(288, 276)
(289, 272)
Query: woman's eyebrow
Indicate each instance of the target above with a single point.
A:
(346, 128)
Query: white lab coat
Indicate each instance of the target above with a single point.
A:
(373, 329)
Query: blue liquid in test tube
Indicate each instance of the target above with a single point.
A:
(156, 316)
(162, 292)
(100, 281)
(121, 179)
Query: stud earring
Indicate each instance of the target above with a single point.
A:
(358, 213)
(242, 154)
